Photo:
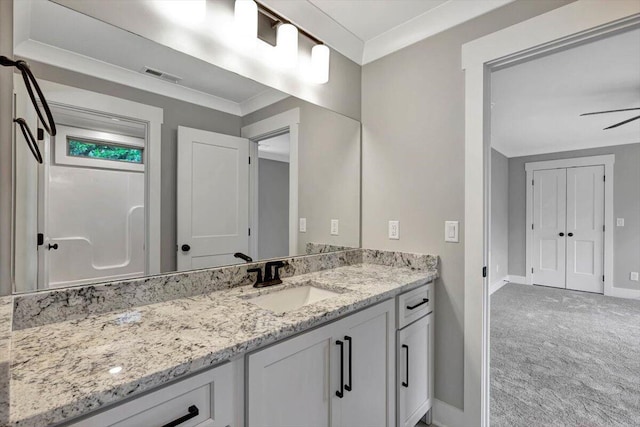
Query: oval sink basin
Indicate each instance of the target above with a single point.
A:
(292, 298)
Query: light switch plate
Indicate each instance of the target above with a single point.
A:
(634, 276)
(620, 222)
(394, 230)
(451, 231)
(334, 227)
(303, 225)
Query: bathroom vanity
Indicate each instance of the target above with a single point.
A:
(353, 347)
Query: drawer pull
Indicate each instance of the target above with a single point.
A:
(348, 339)
(406, 383)
(193, 412)
(340, 393)
(412, 307)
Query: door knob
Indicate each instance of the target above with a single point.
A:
(561, 234)
(54, 246)
(570, 234)
(185, 248)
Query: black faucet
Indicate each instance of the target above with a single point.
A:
(269, 279)
(242, 256)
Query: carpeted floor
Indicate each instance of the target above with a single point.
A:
(564, 358)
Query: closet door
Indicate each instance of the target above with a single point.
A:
(585, 228)
(549, 220)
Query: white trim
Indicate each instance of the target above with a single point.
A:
(277, 157)
(608, 162)
(445, 415)
(288, 120)
(152, 117)
(432, 22)
(520, 280)
(624, 293)
(261, 100)
(497, 285)
(579, 20)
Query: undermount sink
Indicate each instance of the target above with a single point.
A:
(292, 298)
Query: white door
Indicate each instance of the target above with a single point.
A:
(288, 384)
(367, 365)
(585, 228)
(213, 198)
(549, 221)
(415, 371)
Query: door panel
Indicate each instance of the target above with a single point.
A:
(585, 221)
(213, 198)
(549, 217)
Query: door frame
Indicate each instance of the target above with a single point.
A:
(608, 162)
(287, 121)
(554, 30)
(75, 99)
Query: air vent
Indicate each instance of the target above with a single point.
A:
(161, 75)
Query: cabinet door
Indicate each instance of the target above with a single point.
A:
(415, 371)
(288, 383)
(368, 399)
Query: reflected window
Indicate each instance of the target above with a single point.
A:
(103, 151)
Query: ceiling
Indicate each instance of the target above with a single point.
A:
(536, 105)
(51, 25)
(275, 148)
(366, 30)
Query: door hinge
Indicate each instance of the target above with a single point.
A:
(484, 271)
(532, 226)
(40, 239)
(249, 231)
(532, 270)
(249, 160)
(40, 134)
(604, 178)
(603, 227)
(533, 182)
(603, 278)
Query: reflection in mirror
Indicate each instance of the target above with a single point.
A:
(163, 162)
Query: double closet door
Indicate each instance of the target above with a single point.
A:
(568, 228)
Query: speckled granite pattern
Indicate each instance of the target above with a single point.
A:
(41, 308)
(562, 358)
(5, 357)
(61, 370)
(323, 248)
(400, 259)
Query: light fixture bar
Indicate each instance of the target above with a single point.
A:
(274, 16)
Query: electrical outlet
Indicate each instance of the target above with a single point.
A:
(334, 227)
(634, 276)
(394, 230)
(620, 222)
(303, 225)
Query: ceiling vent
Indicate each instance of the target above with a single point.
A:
(161, 75)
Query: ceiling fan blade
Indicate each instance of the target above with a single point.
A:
(609, 111)
(622, 123)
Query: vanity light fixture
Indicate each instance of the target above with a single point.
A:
(287, 45)
(320, 55)
(246, 22)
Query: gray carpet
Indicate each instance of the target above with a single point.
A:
(564, 358)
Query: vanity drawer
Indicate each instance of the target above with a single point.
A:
(199, 401)
(414, 304)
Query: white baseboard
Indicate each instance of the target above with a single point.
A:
(497, 285)
(445, 415)
(623, 293)
(521, 280)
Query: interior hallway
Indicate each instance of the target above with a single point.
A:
(564, 358)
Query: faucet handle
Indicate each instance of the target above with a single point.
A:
(259, 276)
(278, 265)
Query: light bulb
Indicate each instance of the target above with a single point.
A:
(246, 22)
(287, 46)
(320, 64)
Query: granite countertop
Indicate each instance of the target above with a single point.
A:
(62, 370)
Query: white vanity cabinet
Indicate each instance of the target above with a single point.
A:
(204, 400)
(341, 374)
(415, 355)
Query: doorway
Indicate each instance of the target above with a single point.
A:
(567, 227)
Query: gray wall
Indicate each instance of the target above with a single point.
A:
(499, 246)
(6, 153)
(328, 171)
(413, 165)
(175, 113)
(273, 209)
(626, 204)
